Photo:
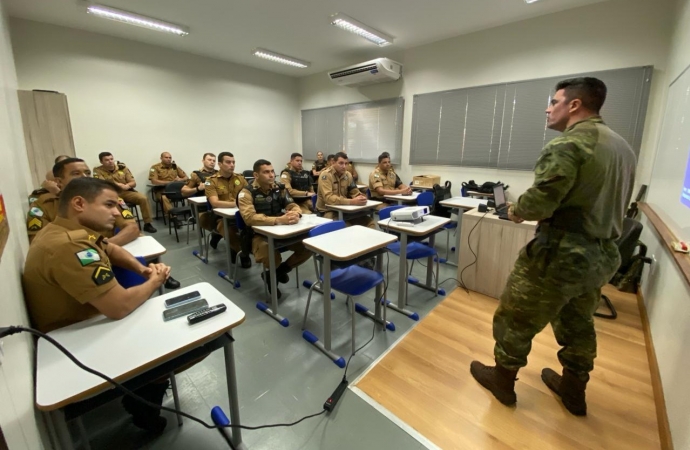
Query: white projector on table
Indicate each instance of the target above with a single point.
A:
(412, 214)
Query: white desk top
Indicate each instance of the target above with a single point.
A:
(490, 216)
(306, 223)
(123, 348)
(463, 202)
(349, 243)
(405, 198)
(362, 187)
(146, 246)
(429, 224)
(226, 212)
(354, 208)
(198, 200)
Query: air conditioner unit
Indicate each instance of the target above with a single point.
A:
(380, 70)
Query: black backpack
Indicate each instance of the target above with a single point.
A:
(441, 193)
(486, 188)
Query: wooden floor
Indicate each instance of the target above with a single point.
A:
(425, 381)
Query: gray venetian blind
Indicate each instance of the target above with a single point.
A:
(363, 130)
(504, 126)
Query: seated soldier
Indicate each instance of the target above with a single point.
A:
(196, 185)
(162, 174)
(298, 183)
(351, 170)
(384, 181)
(318, 165)
(44, 209)
(336, 187)
(119, 174)
(330, 160)
(49, 184)
(221, 191)
(68, 275)
(265, 203)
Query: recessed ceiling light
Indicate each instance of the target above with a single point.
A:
(119, 15)
(347, 23)
(280, 58)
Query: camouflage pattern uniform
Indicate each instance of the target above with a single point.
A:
(583, 182)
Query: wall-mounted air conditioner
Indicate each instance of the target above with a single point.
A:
(380, 70)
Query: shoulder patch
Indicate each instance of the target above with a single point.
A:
(87, 257)
(101, 275)
(34, 224)
(237, 182)
(323, 177)
(376, 175)
(241, 195)
(208, 183)
(127, 214)
(95, 175)
(152, 169)
(36, 211)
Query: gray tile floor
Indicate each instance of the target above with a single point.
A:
(280, 376)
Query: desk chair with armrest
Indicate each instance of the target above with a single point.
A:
(174, 193)
(627, 243)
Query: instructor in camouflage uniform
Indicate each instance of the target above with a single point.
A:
(583, 182)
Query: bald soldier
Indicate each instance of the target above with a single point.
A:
(119, 174)
(162, 174)
(196, 185)
(384, 181)
(221, 192)
(265, 203)
(298, 183)
(583, 182)
(68, 275)
(336, 187)
(44, 209)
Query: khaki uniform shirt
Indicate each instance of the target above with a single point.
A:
(245, 202)
(334, 189)
(158, 172)
(286, 179)
(226, 189)
(378, 180)
(43, 210)
(66, 268)
(352, 171)
(123, 176)
(195, 181)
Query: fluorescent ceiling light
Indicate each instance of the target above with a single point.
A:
(279, 58)
(118, 15)
(340, 20)
(531, 1)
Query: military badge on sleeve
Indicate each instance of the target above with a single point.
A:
(127, 214)
(34, 224)
(87, 257)
(36, 211)
(102, 275)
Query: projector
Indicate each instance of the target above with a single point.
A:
(411, 214)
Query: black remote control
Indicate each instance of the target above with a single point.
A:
(206, 313)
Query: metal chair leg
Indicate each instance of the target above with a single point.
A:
(436, 290)
(82, 433)
(352, 314)
(176, 397)
(306, 310)
(234, 269)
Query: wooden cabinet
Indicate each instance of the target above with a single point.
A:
(47, 130)
(496, 243)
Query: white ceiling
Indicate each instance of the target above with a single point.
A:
(230, 29)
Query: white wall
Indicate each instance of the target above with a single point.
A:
(137, 100)
(666, 292)
(17, 417)
(609, 35)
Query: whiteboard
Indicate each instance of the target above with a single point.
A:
(672, 160)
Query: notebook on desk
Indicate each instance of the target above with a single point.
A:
(500, 200)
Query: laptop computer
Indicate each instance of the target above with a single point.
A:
(500, 201)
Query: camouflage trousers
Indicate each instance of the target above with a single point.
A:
(557, 279)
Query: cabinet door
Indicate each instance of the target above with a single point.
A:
(47, 130)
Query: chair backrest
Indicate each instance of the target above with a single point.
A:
(627, 242)
(127, 278)
(239, 221)
(426, 198)
(441, 193)
(174, 190)
(248, 173)
(368, 193)
(326, 228)
(385, 213)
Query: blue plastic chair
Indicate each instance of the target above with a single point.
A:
(415, 250)
(427, 199)
(352, 281)
(313, 202)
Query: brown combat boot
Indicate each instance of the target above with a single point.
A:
(499, 380)
(569, 387)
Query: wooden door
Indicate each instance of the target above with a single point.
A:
(47, 130)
